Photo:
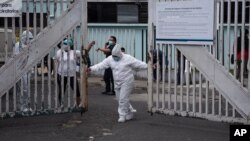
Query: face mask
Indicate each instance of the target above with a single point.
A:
(111, 43)
(116, 58)
(25, 43)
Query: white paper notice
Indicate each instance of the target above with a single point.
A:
(10, 8)
(185, 21)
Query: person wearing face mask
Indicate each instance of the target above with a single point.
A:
(67, 66)
(108, 76)
(122, 66)
(23, 101)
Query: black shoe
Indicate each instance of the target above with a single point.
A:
(112, 93)
(105, 92)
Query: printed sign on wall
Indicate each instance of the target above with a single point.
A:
(185, 21)
(10, 8)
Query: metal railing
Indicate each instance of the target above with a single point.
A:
(31, 76)
(180, 88)
(178, 83)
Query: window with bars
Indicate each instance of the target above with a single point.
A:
(109, 12)
(239, 12)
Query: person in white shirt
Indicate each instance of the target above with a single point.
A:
(122, 66)
(67, 66)
(66, 58)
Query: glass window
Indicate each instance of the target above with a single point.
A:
(127, 13)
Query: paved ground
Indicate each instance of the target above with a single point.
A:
(100, 124)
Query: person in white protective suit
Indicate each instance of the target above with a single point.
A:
(23, 100)
(122, 66)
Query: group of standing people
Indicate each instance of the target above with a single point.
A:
(118, 76)
(67, 60)
(118, 66)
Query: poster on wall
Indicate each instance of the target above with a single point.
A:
(185, 22)
(10, 8)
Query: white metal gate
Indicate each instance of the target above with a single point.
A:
(35, 69)
(202, 82)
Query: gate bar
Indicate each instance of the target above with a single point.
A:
(169, 75)
(235, 36)
(13, 45)
(163, 74)
(175, 77)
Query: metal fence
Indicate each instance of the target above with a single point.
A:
(31, 76)
(181, 84)
(42, 81)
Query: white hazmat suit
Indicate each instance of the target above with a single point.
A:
(123, 78)
(23, 100)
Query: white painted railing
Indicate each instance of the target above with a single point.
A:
(31, 76)
(201, 81)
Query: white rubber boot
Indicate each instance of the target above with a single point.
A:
(131, 108)
(122, 119)
(129, 116)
